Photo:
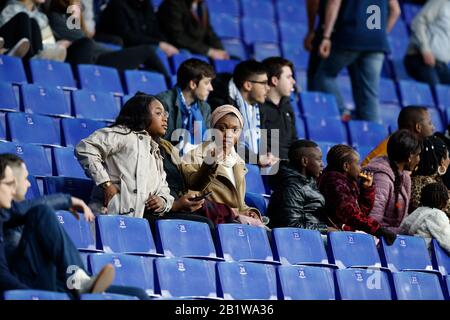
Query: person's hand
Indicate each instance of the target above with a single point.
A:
(366, 178)
(308, 41)
(155, 203)
(218, 54)
(428, 59)
(64, 43)
(325, 48)
(251, 213)
(267, 160)
(168, 49)
(184, 203)
(109, 193)
(80, 205)
(388, 235)
(331, 229)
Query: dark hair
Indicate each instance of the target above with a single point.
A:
(409, 116)
(338, 155)
(12, 160)
(195, 70)
(135, 114)
(245, 70)
(295, 149)
(433, 151)
(3, 165)
(434, 195)
(274, 66)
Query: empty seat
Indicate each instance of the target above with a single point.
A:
(99, 78)
(230, 7)
(74, 130)
(387, 91)
(178, 59)
(226, 26)
(225, 65)
(306, 283)
(244, 280)
(366, 133)
(253, 180)
(258, 30)
(182, 277)
(415, 93)
(326, 130)
(79, 231)
(80, 188)
(235, 48)
(443, 96)
(184, 238)
(240, 242)
(122, 234)
(34, 295)
(33, 155)
(389, 115)
(440, 258)
(44, 100)
(296, 54)
(261, 9)
(144, 81)
(291, 11)
(417, 286)
(398, 46)
(359, 284)
(410, 11)
(265, 50)
(95, 105)
(299, 246)
(33, 190)
(300, 128)
(33, 128)
(318, 104)
(66, 164)
(51, 73)
(408, 253)
(351, 249)
(291, 32)
(11, 70)
(107, 296)
(8, 100)
(131, 271)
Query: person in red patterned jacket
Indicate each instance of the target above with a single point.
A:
(350, 194)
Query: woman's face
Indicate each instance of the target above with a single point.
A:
(414, 160)
(352, 168)
(159, 116)
(229, 129)
(445, 162)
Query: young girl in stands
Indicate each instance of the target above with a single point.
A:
(391, 176)
(430, 221)
(349, 194)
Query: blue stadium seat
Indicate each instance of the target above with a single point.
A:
(299, 246)
(144, 81)
(443, 96)
(318, 104)
(44, 100)
(11, 70)
(352, 250)
(235, 48)
(262, 51)
(253, 179)
(326, 130)
(52, 73)
(183, 277)
(66, 164)
(95, 105)
(33, 128)
(366, 133)
(164, 59)
(408, 253)
(225, 26)
(296, 54)
(364, 151)
(399, 30)
(184, 238)
(107, 296)
(291, 11)
(74, 130)
(122, 234)
(99, 78)
(34, 156)
(131, 271)
(440, 258)
(360, 284)
(389, 115)
(345, 87)
(225, 65)
(258, 30)
(200, 57)
(178, 59)
(398, 70)
(446, 287)
(409, 11)
(80, 188)
(301, 79)
(33, 191)
(79, 231)
(230, 7)
(256, 200)
(291, 32)
(239, 242)
(244, 280)
(300, 127)
(84, 255)
(417, 286)
(388, 93)
(415, 93)
(8, 100)
(261, 9)
(306, 283)
(34, 295)
(398, 47)
(435, 115)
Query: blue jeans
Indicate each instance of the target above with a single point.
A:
(417, 69)
(365, 71)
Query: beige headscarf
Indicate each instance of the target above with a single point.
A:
(222, 111)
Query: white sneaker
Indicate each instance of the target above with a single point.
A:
(96, 284)
(56, 53)
(20, 49)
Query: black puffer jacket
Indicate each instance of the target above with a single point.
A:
(296, 201)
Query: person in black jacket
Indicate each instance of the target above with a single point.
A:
(186, 25)
(296, 200)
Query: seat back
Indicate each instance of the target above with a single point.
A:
(33, 128)
(440, 258)
(33, 155)
(66, 163)
(95, 105)
(52, 73)
(144, 81)
(79, 231)
(417, 286)
(34, 295)
(74, 130)
(11, 70)
(360, 284)
(44, 100)
(99, 78)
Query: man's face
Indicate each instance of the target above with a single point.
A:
(285, 83)
(7, 189)
(426, 125)
(203, 88)
(259, 88)
(22, 183)
(315, 164)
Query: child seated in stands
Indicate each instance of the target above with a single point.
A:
(430, 221)
(349, 194)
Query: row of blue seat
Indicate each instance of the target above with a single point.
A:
(28, 294)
